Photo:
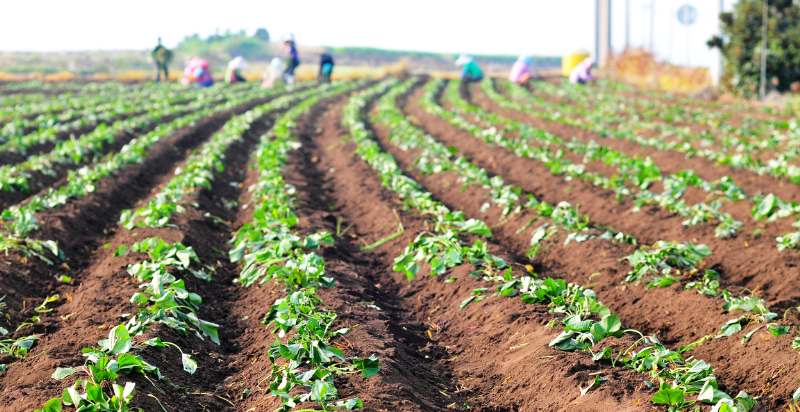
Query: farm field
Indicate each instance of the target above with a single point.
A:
(396, 244)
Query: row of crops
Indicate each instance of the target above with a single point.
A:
(399, 244)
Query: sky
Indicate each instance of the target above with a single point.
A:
(541, 27)
(496, 26)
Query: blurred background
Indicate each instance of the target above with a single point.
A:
(676, 45)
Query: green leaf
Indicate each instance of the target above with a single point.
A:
(662, 281)
(467, 301)
(369, 367)
(595, 383)
(52, 405)
(730, 327)
(669, 396)
(565, 342)
(184, 257)
(189, 364)
(777, 330)
(62, 373)
(129, 362)
(121, 250)
(118, 341)
(71, 396)
(766, 207)
(350, 404)
(611, 324)
(744, 402)
(603, 354)
(476, 227)
(128, 391)
(322, 390)
(709, 393)
(52, 246)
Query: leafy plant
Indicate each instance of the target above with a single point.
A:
(20, 218)
(665, 258)
(304, 360)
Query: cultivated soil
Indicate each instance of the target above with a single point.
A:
(491, 355)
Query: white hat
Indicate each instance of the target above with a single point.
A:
(463, 59)
(237, 63)
(288, 37)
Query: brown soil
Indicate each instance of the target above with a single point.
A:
(490, 356)
(13, 157)
(668, 161)
(597, 263)
(754, 110)
(81, 226)
(710, 131)
(39, 182)
(750, 252)
(495, 349)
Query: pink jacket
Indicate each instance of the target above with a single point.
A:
(197, 71)
(520, 72)
(582, 73)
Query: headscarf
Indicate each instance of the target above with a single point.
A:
(463, 59)
(237, 63)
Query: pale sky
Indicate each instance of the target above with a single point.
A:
(495, 26)
(541, 27)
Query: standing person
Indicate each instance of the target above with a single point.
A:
(273, 75)
(162, 57)
(470, 71)
(292, 58)
(522, 70)
(233, 74)
(582, 73)
(325, 68)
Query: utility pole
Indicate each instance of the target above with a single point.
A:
(762, 90)
(627, 24)
(652, 26)
(602, 31)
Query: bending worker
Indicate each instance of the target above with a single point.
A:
(582, 73)
(470, 71)
(522, 70)
(273, 75)
(233, 74)
(162, 57)
(197, 72)
(325, 68)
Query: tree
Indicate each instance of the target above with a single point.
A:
(261, 34)
(740, 44)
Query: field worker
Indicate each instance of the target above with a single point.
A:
(233, 74)
(162, 57)
(582, 73)
(470, 71)
(273, 75)
(197, 72)
(292, 58)
(325, 68)
(522, 70)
